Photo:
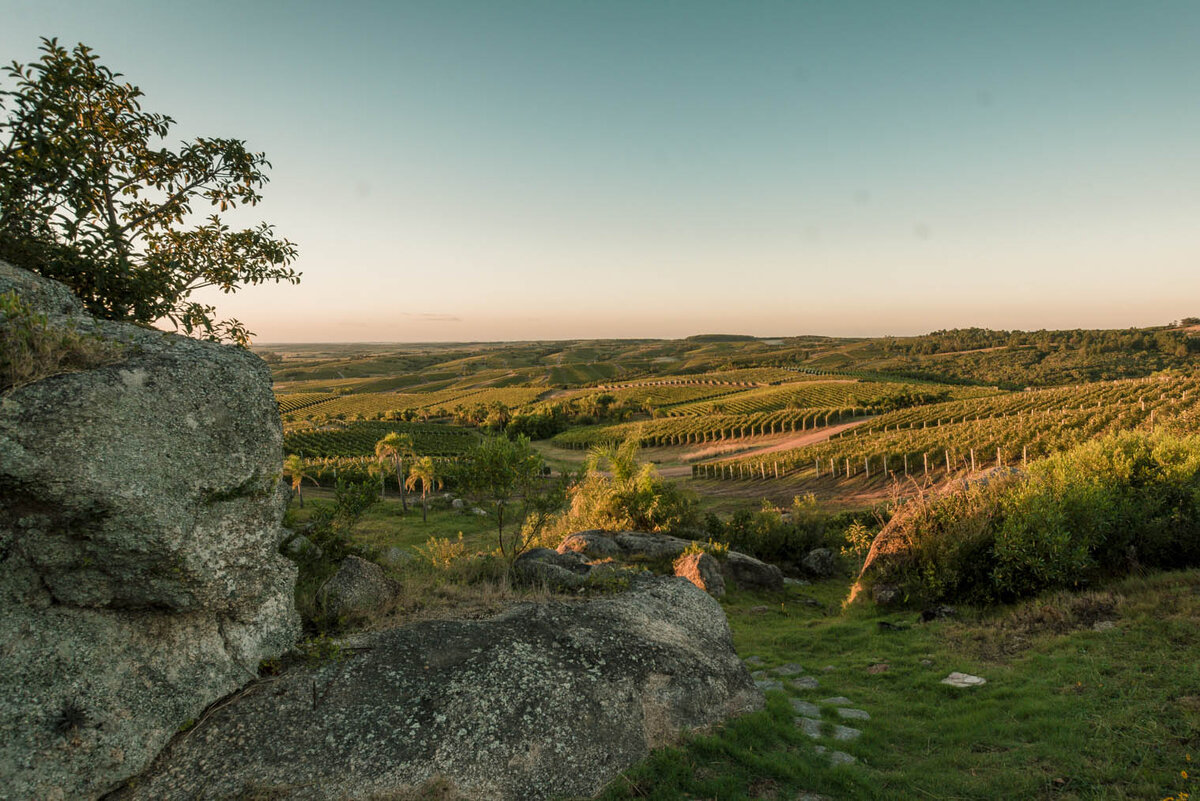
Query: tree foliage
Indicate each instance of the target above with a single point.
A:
(91, 197)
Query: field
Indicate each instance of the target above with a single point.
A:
(1071, 709)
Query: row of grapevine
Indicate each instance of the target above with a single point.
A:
(372, 404)
(359, 438)
(295, 401)
(814, 394)
(698, 429)
(747, 377)
(1143, 392)
(962, 445)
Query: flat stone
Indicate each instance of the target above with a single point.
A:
(837, 700)
(808, 710)
(794, 582)
(809, 726)
(841, 758)
(759, 610)
(1103, 625)
(769, 684)
(805, 683)
(963, 680)
(853, 714)
(759, 674)
(753, 660)
(790, 669)
(845, 733)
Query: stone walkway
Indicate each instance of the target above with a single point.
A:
(810, 716)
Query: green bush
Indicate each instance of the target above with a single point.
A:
(1102, 509)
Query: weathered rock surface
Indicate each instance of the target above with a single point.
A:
(562, 571)
(703, 570)
(738, 569)
(140, 509)
(545, 700)
(819, 562)
(751, 574)
(357, 588)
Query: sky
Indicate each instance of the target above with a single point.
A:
(457, 171)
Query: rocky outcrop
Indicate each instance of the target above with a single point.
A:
(560, 571)
(546, 700)
(140, 508)
(744, 572)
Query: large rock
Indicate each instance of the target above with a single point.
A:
(140, 580)
(543, 701)
(819, 562)
(749, 573)
(744, 572)
(561, 571)
(358, 587)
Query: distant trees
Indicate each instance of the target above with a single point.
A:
(89, 196)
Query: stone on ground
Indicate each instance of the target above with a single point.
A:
(358, 587)
(703, 570)
(963, 680)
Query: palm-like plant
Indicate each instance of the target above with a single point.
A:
(425, 472)
(294, 467)
(396, 447)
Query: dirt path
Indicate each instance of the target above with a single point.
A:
(796, 440)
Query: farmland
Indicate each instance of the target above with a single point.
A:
(719, 412)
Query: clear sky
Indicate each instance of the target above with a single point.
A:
(562, 169)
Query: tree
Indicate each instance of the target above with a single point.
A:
(396, 447)
(508, 472)
(89, 197)
(294, 467)
(424, 471)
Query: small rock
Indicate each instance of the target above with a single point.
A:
(926, 663)
(479, 512)
(301, 547)
(396, 556)
(963, 680)
(768, 684)
(747, 573)
(758, 674)
(753, 660)
(829, 668)
(841, 758)
(806, 709)
(819, 562)
(806, 796)
(795, 582)
(760, 609)
(853, 714)
(358, 587)
(885, 594)
(938, 613)
(1103, 625)
(790, 669)
(845, 733)
(882, 667)
(809, 726)
(703, 570)
(805, 683)
(458, 503)
(837, 700)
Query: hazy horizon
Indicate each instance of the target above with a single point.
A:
(475, 171)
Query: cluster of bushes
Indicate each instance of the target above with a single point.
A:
(785, 538)
(1105, 508)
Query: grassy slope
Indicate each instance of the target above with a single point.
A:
(1065, 714)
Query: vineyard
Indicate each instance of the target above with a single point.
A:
(705, 428)
(825, 394)
(379, 404)
(358, 439)
(971, 435)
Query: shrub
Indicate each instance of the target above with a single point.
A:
(1101, 509)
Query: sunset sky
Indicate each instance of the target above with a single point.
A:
(544, 170)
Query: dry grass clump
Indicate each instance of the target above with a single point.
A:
(31, 349)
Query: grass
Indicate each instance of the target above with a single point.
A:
(1068, 712)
